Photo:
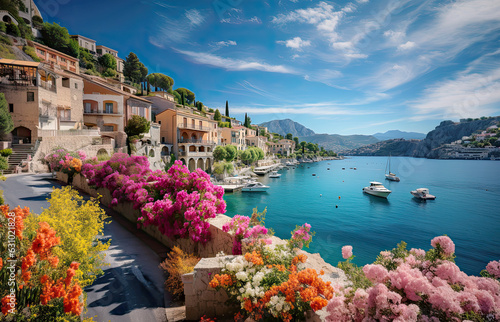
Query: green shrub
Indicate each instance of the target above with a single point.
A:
(3, 27)
(5, 40)
(6, 152)
(4, 165)
(30, 51)
(13, 30)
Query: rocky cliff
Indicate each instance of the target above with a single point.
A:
(446, 132)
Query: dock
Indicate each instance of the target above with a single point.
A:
(265, 169)
(231, 187)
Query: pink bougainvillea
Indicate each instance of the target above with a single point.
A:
(445, 243)
(178, 202)
(240, 227)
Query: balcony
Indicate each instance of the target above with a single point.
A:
(200, 142)
(195, 154)
(193, 127)
(95, 112)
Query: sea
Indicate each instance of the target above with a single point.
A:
(328, 195)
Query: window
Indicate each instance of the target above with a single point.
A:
(65, 82)
(162, 139)
(63, 60)
(159, 122)
(88, 107)
(31, 96)
(11, 108)
(108, 128)
(109, 108)
(76, 85)
(66, 115)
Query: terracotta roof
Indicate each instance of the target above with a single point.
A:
(95, 80)
(19, 62)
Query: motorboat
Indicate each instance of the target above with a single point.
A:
(423, 194)
(390, 176)
(274, 174)
(377, 189)
(255, 187)
(289, 164)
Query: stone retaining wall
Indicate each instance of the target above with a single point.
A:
(220, 240)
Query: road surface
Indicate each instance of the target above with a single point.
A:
(131, 288)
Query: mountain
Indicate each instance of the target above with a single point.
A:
(284, 127)
(397, 134)
(432, 146)
(339, 143)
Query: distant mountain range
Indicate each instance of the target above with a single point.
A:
(397, 134)
(284, 127)
(334, 142)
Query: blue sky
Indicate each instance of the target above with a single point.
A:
(356, 67)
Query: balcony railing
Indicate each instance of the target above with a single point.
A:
(51, 133)
(193, 127)
(190, 141)
(48, 86)
(195, 154)
(101, 113)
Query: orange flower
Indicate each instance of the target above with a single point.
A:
(28, 260)
(45, 239)
(299, 258)
(318, 303)
(26, 276)
(248, 305)
(71, 302)
(223, 280)
(53, 261)
(254, 257)
(5, 307)
(1, 263)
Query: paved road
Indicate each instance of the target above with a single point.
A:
(131, 288)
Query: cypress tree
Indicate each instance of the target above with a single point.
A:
(227, 109)
(183, 99)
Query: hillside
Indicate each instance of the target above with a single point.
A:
(338, 143)
(445, 132)
(397, 134)
(284, 127)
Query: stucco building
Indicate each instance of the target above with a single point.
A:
(234, 136)
(187, 133)
(283, 147)
(85, 42)
(41, 99)
(56, 58)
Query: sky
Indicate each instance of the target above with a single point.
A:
(357, 67)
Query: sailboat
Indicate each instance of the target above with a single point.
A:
(390, 176)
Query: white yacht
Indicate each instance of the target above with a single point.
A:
(377, 189)
(423, 194)
(254, 186)
(274, 174)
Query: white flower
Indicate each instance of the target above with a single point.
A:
(242, 276)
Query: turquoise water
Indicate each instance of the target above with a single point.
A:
(466, 207)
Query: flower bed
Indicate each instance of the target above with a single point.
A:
(178, 202)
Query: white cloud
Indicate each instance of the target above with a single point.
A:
(467, 95)
(224, 43)
(355, 55)
(395, 36)
(195, 17)
(295, 43)
(234, 64)
(325, 76)
(407, 46)
(344, 45)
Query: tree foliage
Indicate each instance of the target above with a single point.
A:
(133, 69)
(188, 95)
(227, 109)
(231, 152)
(13, 30)
(107, 61)
(137, 126)
(217, 116)
(6, 123)
(219, 153)
(57, 37)
(289, 136)
(160, 81)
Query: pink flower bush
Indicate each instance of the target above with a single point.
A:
(445, 244)
(178, 202)
(240, 227)
(493, 268)
(346, 252)
(418, 286)
(301, 236)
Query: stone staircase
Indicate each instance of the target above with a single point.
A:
(20, 152)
